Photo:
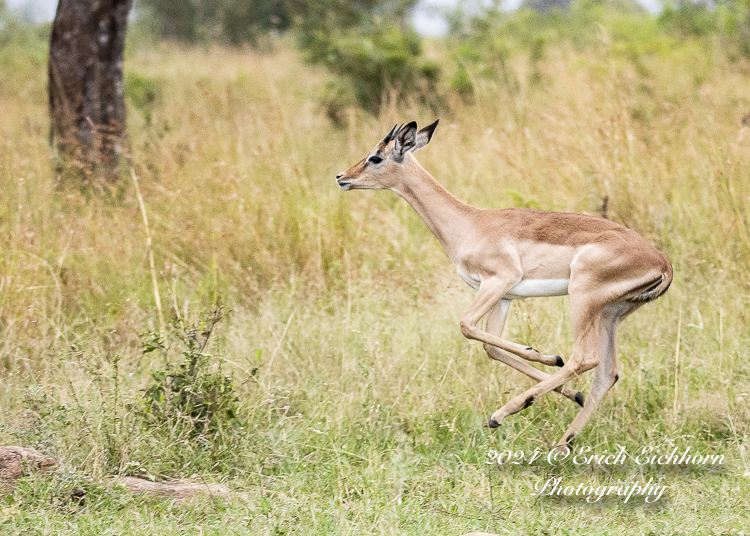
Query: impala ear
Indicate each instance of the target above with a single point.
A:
(406, 140)
(425, 135)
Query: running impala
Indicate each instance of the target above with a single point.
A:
(608, 270)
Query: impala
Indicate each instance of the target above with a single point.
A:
(608, 270)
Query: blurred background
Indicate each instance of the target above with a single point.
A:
(333, 388)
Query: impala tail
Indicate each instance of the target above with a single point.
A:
(655, 288)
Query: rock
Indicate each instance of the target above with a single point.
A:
(13, 460)
(177, 489)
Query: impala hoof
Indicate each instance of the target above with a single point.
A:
(579, 398)
(559, 362)
(492, 423)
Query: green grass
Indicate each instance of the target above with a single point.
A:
(366, 413)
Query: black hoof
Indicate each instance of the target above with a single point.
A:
(579, 398)
(493, 424)
(559, 362)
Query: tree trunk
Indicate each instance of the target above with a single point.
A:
(85, 85)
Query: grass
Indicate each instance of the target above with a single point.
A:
(365, 413)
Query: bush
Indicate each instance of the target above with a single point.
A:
(245, 21)
(369, 66)
(189, 397)
(689, 18)
(369, 47)
(735, 15)
(143, 92)
(231, 21)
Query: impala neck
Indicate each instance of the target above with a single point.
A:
(444, 214)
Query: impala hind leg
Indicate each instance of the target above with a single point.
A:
(495, 324)
(605, 375)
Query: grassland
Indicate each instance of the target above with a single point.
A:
(365, 413)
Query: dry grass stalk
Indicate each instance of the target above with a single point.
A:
(150, 249)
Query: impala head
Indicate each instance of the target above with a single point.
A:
(382, 167)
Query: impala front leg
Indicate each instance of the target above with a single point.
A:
(495, 324)
(491, 291)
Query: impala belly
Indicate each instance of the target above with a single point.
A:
(530, 288)
(545, 270)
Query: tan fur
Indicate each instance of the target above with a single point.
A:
(611, 269)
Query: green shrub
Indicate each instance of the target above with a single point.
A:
(689, 18)
(368, 66)
(370, 49)
(735, 18)
(143, 92)
(189, 396)
(245, 21)
(461, 83)
(229, 21)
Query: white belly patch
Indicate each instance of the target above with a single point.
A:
(530, 288)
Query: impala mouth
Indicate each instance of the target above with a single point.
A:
(344, 185)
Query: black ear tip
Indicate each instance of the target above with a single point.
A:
(404, 127)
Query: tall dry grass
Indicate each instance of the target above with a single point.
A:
(366, 390)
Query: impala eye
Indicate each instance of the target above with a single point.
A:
(375, 159)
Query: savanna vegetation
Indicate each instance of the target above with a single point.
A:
(304, 348)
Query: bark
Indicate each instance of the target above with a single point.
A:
(86, 101)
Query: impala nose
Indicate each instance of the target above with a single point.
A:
(339, 175)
